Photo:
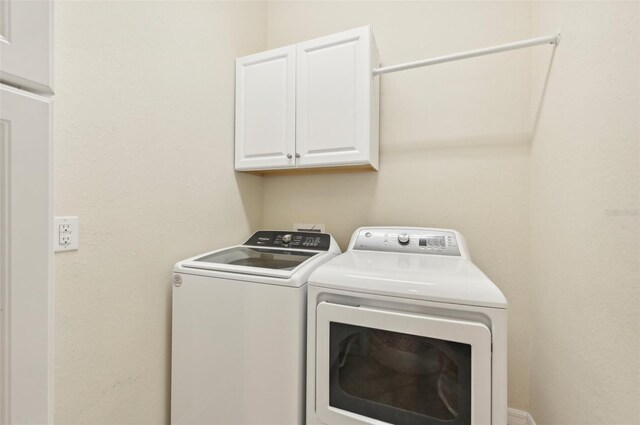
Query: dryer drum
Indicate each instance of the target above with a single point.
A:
(413, 355)
(412, 374)
(405, 353)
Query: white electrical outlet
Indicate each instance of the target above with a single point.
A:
(66, 234)
(309, 227)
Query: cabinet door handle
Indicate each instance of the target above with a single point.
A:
(297, 155)
(289, 155)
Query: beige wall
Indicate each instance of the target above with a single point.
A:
(454, 148)
(585, 342)
(143, 154)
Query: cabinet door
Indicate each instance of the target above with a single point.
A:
(334, 99)
(25, 44)
(265, 110)
(25, 258)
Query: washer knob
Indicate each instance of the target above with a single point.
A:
(286, 238)
(403, 239)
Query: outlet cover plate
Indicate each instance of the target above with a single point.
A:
(66, 233)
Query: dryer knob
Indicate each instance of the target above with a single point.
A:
(403, 239)
(286, 239)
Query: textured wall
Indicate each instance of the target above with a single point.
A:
(143, 154)
(585, 240)
(454, 146)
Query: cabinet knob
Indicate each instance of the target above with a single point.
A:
(297, 155)
(289, 156)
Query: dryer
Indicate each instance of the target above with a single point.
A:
(238, 331)
(404, 329)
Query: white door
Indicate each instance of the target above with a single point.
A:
(378, 366)
(25, 257)
(265, 110)
(25, 44)
(334, 98)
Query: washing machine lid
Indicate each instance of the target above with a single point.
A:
(274, 254)
(448, 279)
(276, 262)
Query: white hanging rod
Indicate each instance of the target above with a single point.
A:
(551, 39)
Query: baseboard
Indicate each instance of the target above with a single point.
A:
(519, 417)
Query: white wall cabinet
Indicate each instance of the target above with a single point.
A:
(25, 44)
(265, 110)
(337, 113)
(314, 104)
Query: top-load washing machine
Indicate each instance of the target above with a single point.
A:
(404, 329)
(238, 332)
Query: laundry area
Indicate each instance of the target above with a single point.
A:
(319, 212)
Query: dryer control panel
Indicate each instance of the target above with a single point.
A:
(407, 239)
(290, 239)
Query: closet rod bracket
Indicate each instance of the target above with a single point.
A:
(557, 40)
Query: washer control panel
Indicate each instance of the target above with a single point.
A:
(288, 239)
(409, 240)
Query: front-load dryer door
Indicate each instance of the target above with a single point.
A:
(378, 366)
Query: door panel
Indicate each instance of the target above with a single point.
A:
(334, 99)
(25, 44)
(265, 110)
(25, 256)
(399, 378)
(378, 366)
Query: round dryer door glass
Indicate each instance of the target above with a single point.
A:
(258, 257)
(399, 378)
